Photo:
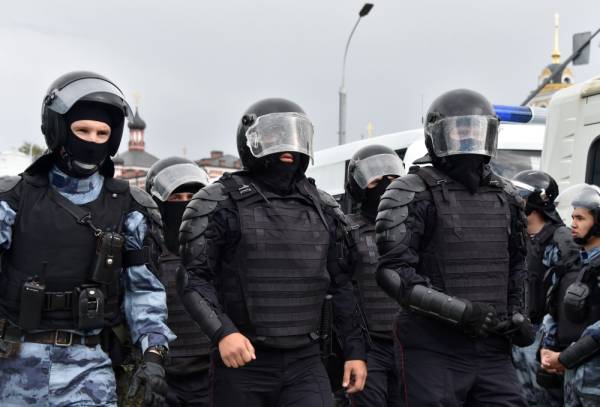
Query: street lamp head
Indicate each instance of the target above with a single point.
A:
(365, 9)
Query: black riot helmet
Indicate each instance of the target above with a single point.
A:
(169, 176)
(272, 126)
(539, 190)
(81, 86)
(369, 163)
(174, 174)
(461, 122)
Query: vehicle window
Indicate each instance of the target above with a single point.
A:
(508, 163)
(592, 173)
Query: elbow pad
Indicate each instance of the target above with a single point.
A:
(390, 282)
(579, 352)
(197, 307)
(436, 304)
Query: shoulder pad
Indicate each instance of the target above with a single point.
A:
(393, 206)
(8, 182)
(409, 182)
(327, 199)
(213, 192)
(569, 250)
(142, 198)
(195, 216)
(116, 185)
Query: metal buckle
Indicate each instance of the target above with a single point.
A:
(59, 342)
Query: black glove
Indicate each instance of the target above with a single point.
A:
(518, 329)
(148, 383)
(478, 319)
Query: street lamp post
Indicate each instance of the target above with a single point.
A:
(342, 92)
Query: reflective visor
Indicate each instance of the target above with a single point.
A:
(171, 178)
(464, 135)
(93, 89)
(377, 166)
(523, 189)
(280, 132)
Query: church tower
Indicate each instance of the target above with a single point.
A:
(560, 81)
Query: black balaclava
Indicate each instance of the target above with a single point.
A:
(279, 176)
(79, 158)
(467, 169)
(369, 205)
(172, 213)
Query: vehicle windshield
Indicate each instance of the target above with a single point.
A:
(508, 163)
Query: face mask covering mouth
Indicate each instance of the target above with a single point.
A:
(372, 197)
(81, 158)
(172, 213)
(280, 176)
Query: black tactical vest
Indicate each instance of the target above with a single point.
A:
(276, 282)
(379, 308)
(569, 331)
(537, 288)
(191, 343)
(468, 255)
(49, 243)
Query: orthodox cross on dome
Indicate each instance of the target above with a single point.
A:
(555, 50)
(136, 127)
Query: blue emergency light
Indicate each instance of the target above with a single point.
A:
(520, 114)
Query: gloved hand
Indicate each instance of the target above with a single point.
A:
(148, 382)
(518, 329)
(478, 319)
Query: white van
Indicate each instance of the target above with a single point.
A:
(519, 148)
(572, 142)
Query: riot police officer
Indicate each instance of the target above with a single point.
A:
(72, 239)
(370, 171)
(549, 245)
(571, 345)
(172, 182)
(451, 239)
(262, 248)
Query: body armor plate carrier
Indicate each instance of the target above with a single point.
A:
(378, 307)
(50, 244)
(468, 256)
(276, 282)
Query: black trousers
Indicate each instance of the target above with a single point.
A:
(277, 378)
(443, 367)
(383, 382)
(189, 390)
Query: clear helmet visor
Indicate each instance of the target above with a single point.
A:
(577, 196)
(92, 89)
(377, 166)
(171, 178)
(523, 189)
(464, 135)
(280, 132)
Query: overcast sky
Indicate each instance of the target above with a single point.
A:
(198, 65)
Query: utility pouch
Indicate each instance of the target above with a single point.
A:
(32, 303)
(575, 302)
(88, 307)
(108, 261)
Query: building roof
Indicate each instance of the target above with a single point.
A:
(136, 158)
(137, 123)
(226, 160)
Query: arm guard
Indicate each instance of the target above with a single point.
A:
(197, 307)
(438, 305)
(579, 352)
